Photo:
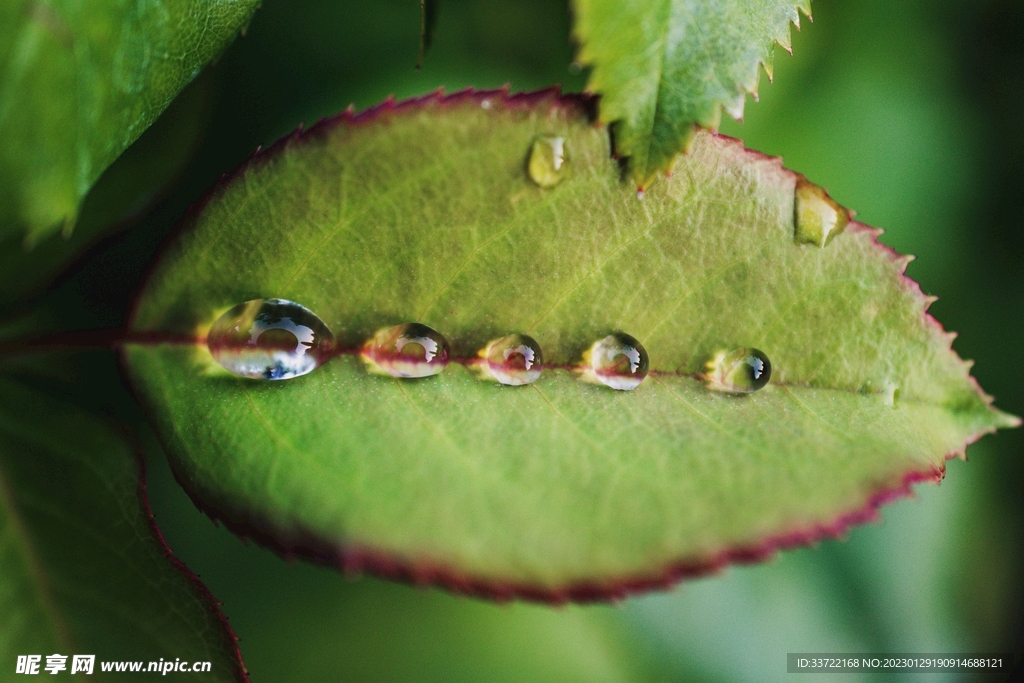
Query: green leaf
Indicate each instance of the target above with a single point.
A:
(663, 67)
(424, 212)
(80, 82)
(124, 191)
(82, 568)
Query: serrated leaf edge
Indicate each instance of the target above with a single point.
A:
(734, 108)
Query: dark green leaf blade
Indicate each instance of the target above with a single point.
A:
(663, 67)
(82, 569)
(79, 83)
(125, 190)
(423, 212)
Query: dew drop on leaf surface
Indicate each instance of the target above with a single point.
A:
(890, 393)
(818, 217)
(407, 350)
(742, 371)
(514, 360)
(618, 361)
(548, 164)
(270, 339)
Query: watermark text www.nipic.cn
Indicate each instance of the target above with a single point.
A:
(86, 664)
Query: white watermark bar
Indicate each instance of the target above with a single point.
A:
(844, 663)
(33, 665)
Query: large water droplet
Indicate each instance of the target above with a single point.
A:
(514, 360)
(408, 350)
(548, 164)
(618, 361)
(742, 371)
(270, 339)
(818, 217)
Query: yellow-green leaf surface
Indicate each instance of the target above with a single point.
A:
(82, 569)
(79, 82)
(664, 66)
(424, 212)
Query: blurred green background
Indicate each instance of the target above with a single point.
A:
(907, 112)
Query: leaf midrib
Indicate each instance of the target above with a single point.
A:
(653, 373)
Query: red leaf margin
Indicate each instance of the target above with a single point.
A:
(241, 673)
(354, 559)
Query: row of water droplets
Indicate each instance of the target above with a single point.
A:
(279, 339)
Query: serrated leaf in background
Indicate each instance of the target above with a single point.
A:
(666, 66)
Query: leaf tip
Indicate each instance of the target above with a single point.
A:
(803, 6)
(69, 226)
(736, 106)
(39, 228)
(1006, 420)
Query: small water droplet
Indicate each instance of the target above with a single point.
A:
(818, 217)
(514, 360)
(408, 350)
(548, 164)
(618, 361)
(270, 339)
(742, 371)
(890, 393)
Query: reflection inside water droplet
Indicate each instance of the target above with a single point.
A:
(618, 361)
(270, 339)
(514, 360)
(818, 217)
(548, 164)
(742, 371)
(408, 350)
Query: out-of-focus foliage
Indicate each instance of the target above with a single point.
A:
(79, 82)
(81, 569)
(124, 191)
